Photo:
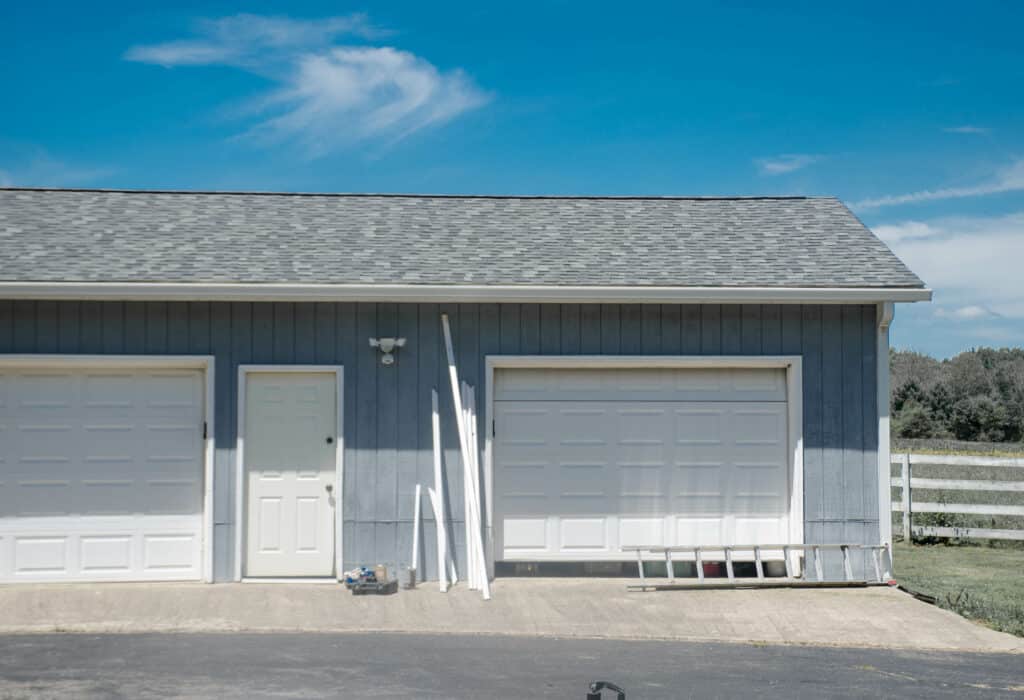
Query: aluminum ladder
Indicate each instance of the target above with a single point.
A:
(880, 554)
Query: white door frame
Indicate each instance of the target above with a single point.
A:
(339, 455)
(204, 363)
(793, 364)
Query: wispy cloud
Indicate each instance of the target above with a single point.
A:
(785, 163)
(971, 312)
(326, 96)
(973, 263)
(967, 129)
(33, 167)
(251, 41)
(1008, 179)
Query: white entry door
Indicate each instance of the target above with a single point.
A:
(588, 461)
(290, 454)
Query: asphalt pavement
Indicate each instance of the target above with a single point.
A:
(285, 665)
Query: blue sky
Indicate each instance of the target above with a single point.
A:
(910, 112)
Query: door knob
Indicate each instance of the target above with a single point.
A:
(330, 441)
(329, 487)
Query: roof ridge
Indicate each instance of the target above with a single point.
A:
(400, 195)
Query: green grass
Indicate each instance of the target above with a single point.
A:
(981, 583)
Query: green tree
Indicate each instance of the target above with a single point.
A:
(910, 392)
(914, 421)
(968, 376)
(979, 418)
(940, 403)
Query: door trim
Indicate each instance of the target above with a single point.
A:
(339, 455)
(204, 363)
(793, 364)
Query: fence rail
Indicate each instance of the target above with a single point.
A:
(908, 483)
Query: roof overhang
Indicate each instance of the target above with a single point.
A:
(144, 291)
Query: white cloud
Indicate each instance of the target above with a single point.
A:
(967, 129)
(349, 94)
(36, 168)
(1008, 179)
(971, 312)
(247, 40)
(972, 263)
(326, 96)
(785, 163)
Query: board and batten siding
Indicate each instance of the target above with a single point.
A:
(387, 409)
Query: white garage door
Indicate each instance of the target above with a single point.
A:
(101, 474)
(587, 461)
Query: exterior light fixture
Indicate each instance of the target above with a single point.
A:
(387, 346)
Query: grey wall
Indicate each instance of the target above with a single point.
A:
(387, 409)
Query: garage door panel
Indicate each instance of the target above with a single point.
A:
(636, 532)
(106, 554)
(170, 442)
(753, 530)
(114, 392)
(108, 496)
(636, 482)
(526, 534)
(698, 426)
(39, 497)
(693, 531)
(167, 554)
(38, 391)
(641, 384)
(103, 467)
(603, 470)
(46, 554)
(583, 534)
(761, 426)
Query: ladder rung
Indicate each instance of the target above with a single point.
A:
(811, 550)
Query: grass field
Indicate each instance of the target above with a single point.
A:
(981, 583)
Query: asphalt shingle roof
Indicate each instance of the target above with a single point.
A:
(115, 236)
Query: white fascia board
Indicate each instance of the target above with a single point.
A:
(136, 291)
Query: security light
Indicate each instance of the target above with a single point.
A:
(386, 347)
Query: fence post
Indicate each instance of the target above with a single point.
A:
(905, 464)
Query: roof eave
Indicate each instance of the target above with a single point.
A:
(229, 291)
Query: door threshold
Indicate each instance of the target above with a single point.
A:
(296, 579)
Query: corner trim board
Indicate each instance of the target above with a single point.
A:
(885, 312)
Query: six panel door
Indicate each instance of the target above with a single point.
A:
(290, 453)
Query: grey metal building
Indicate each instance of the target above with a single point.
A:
(187, 390)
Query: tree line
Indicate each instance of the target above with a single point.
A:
(977, 395)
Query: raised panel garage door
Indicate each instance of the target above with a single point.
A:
(587, 461)
(101, 474)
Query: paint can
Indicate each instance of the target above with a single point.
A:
(408, 577)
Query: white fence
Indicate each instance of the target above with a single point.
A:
(907, 482)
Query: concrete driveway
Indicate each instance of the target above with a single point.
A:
(864, 617)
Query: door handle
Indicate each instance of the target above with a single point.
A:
(330, 441)
(329, 487)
